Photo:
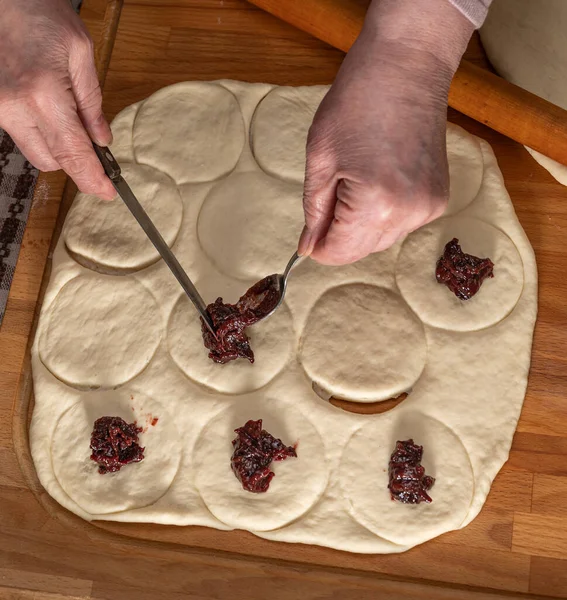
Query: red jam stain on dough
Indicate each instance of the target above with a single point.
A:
(254, 450)
(408, 482)
(231, 320)
(114, 444)
(462, 273)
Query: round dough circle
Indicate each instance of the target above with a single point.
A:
(272, 341)
(466, 168)
(106, 233)
(249, 224)
(298, 483)
(100, 331)
(434, 303)
(193, 131)
(135, 485)
(280, 127)
(365, 484)
(363, 343)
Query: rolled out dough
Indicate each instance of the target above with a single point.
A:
(364, 331)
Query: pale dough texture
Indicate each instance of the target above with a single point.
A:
(354, 333)
(280, 127)
(127, 488)
(100, 332)
(106, 234)
(298, 482)
(206, 115)
(526, 42)
(364, 332)
(432, 302)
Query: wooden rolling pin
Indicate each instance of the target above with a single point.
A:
(477, 93)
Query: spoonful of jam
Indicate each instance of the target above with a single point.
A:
(231, 320)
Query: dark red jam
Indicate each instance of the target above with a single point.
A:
(462, 273)
(114, 443)
(408, 482)
(231, 320)
(254, 450)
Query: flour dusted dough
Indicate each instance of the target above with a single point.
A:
(100, 332)
(363, 343)
(280, 127)
(365, 331)
(191, 131)
(106, 234)
(136, 486)
(435, 304)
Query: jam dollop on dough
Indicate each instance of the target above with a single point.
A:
(408, 482)
(231, 320)
(254, 450)
(462, 273)
(114, 444)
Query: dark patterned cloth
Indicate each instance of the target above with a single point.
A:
(17, 183)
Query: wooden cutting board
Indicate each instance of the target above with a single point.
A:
(518, 544)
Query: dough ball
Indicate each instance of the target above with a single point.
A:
(364, 478)
(100, 331)
(135, 485)
(272, 341)
(280, 127)
(466, 168)
(250, 224)
(106, 234)
(363, 343)
(193, 131)
(298, 483)
(433, 302)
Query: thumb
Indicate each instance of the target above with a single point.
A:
(87, 92)
(319, 198)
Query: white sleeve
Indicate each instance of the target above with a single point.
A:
(474, 10)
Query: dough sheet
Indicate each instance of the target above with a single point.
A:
(219, 165)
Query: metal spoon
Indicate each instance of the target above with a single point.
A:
(281, 281)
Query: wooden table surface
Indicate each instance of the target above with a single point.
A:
(517, 545)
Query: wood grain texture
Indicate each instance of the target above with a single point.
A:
(510, 550)
(487, 98)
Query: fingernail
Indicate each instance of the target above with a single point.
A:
(305, 246)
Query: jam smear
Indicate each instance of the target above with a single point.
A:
(462, 273)
(408, 482)
(254, 450)
(231, 320)
(114, 444)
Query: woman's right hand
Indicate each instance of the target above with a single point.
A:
(50, 98)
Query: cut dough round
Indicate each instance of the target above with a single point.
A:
(298, 483)
(100, 331)
(122, 128)
(106, 233)
(466, 168)
(193, 131)
(272, 341)
(364, 478)
(363, 343)
(280, 126)
(135, 485)
(250, 224)
(434, 303)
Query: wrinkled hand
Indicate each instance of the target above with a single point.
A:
(50, 99)
(376, 156)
